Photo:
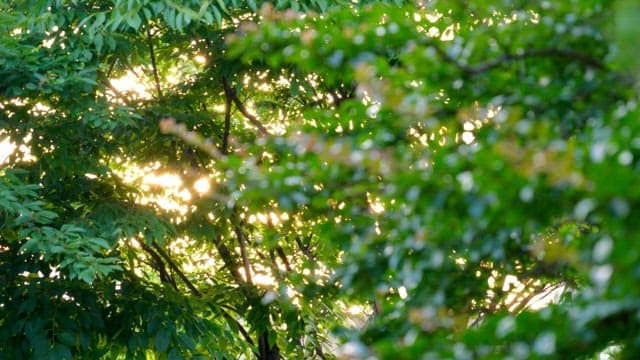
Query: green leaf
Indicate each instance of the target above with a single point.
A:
(67, 338)
(174, 354)
(162, 340)
(87, 275)
(98, 41)
(217, 15)
(187, 341)
(100, 19)
(222, 6)
(134, 21)
(322, 4)
(61, 352)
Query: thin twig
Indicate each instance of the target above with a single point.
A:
(276, 269)
(520, 302)
(111, 66)
(108, 77)
(153, 63)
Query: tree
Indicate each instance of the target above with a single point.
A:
(441, 165)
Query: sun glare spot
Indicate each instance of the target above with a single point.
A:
(200, 59)
(268, 218)
(375, 204)
(402, 291)
(468, 137)
(164, 180)
(202, 186)
(357, 309)
(6, 149)
(261, 279)
(185, 195)
(129, 83)
(448, 34)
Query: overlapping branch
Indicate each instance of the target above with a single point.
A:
(508, 58)
(154, 67)
(243, 110)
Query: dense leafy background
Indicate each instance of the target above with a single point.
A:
(393, 180)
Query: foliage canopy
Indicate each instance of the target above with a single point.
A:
(441, 166)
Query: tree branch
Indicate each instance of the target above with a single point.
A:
(240, 106)
(152, 55)
(243, 252)
(241, 328)
(526, 301)
(507, 58)
(305, 249)
(283, 257)
(164, 275)
(108, 80)
(175, 268)
(228, 97)
(229, 260)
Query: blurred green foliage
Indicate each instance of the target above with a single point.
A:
(388, 179)
(627, 16)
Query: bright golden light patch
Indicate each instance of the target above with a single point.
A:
(164, 190)
(6, 149)
(200, 59)
(375, 204)
(271, 218)
(263, 279)
(202, 186)
(461, 261)
(402, 291)
(165, 180)
(468, 137)
(356, 309)
(129, 83)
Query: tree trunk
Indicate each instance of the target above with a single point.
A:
(264, 351)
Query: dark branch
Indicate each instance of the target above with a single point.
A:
(252, 119)
(108, 77)
(116, 91)
(243, 252)
(152, 55)
(507, 58)
(228, 97)
(175, 268)
(267, 352)
(111, 67)
(283, 257)
(305, 249)
(229, 260)
(241, 328)
(159, 265)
